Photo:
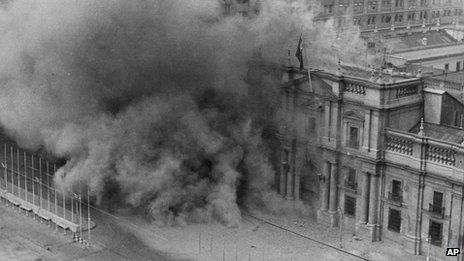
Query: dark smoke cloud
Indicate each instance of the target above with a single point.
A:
(149, 95)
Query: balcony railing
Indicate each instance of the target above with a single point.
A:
(395, 197)
(353, 186)
(439, 152)
(437, 210)
(441, 155)
(399, 144)
(436, 241)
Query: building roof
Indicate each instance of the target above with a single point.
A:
(431, 53)
(414, 40)
(455, 77)
(441, 132)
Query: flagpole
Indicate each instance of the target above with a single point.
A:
(40, 181)
(48, 188)
(72, 205)
(25, 176)
(80, 209)
(88, 212)
(17, 174)
(309, 73)
(64, 196)
(33, 182)
(12, 170)
(5, 169)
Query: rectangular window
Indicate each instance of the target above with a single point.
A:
(311, 125)
(446, 66)
(351, 176)
(435, 233)
(394, 220)
(353, 141)
(350, 179)
(458, 66)
(396, 187)
(437, 199)
(350, 205)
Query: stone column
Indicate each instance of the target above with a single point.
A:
(373, 199)
(296, 186)
(333, 188)
(325, 187)
(291, 170)
(283, 175)
(364, 198)
(327, 120)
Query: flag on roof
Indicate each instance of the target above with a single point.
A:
(299, 52)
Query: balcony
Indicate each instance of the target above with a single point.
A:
(351, 187)
(395, 198)
(436, 241)
(437, 211)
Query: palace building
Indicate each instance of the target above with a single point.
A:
(383, 148)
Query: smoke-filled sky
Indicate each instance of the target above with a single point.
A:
(149, 96)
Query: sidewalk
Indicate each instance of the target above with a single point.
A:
(383, 250)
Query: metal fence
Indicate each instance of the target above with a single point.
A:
(28, 183)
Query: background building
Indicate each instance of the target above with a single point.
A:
(371, 15)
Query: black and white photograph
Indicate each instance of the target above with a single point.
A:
(231, 130)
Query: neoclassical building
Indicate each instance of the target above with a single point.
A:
(383, 148)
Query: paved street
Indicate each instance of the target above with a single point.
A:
(23, 238)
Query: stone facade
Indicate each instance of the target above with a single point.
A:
(347, 145)
(371, 15)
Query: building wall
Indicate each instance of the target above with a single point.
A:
(405, 118)
(432, 113)
(371, 14)
(447, 62)
(452, 113)
(322, 159)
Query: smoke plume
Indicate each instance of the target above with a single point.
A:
(147, 98)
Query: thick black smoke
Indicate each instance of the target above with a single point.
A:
(149, 96)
